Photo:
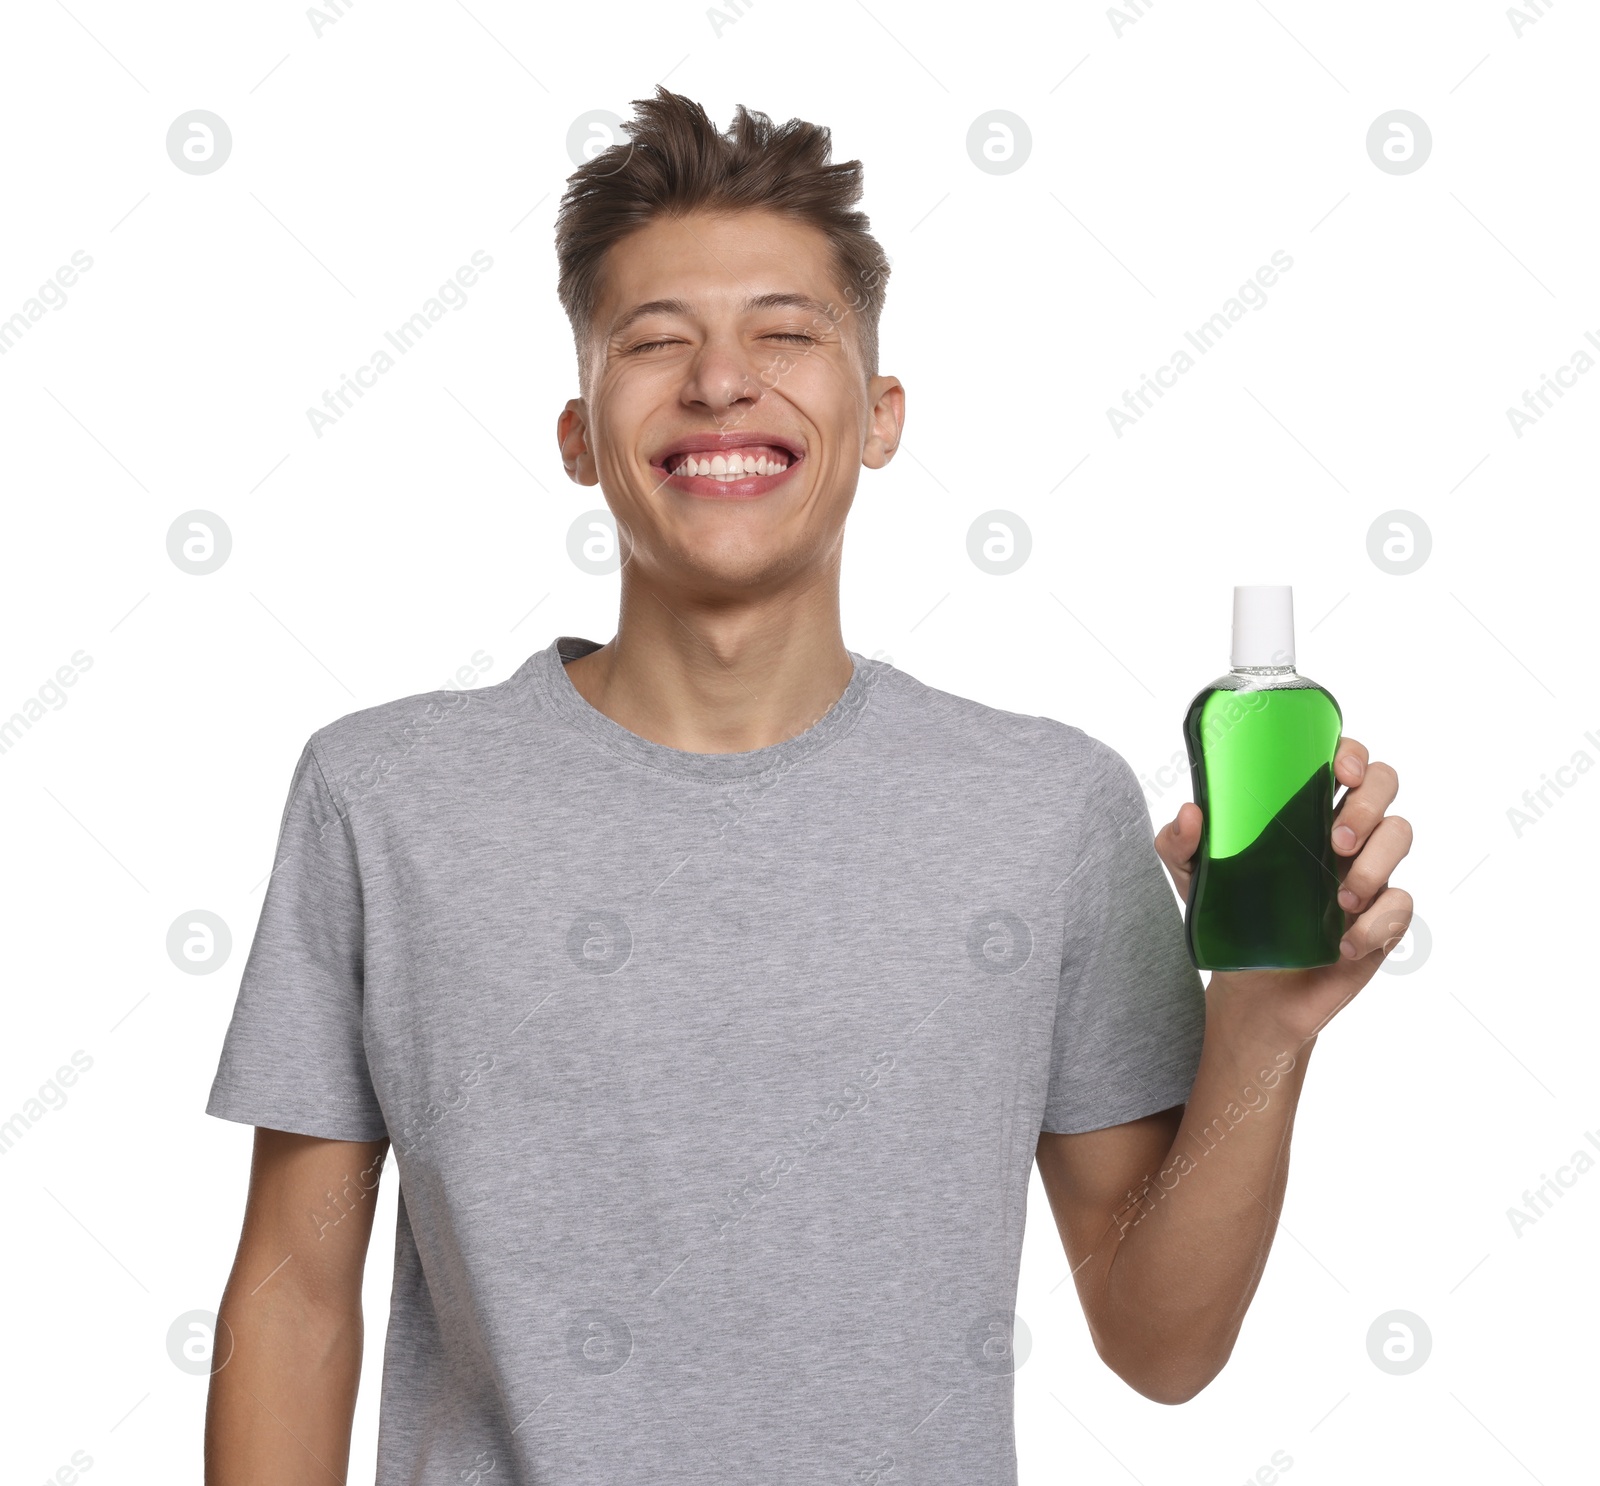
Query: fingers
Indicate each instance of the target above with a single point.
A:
(1386, 847)
(1350, 762)
(1363, 806)
(1380, 928)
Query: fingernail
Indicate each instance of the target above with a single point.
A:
(1344, 836)
(1347, 899)
(1347, 949)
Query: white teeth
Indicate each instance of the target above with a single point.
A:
(732, 466)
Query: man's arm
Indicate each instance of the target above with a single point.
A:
(1171, 1217)
(1167, 1221)
(287, 1358)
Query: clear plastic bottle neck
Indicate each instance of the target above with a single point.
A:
(1264, 670)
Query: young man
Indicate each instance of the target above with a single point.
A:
(718, 987)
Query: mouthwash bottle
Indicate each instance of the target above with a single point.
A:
(1264, 890)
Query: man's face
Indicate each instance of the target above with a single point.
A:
(720, 338)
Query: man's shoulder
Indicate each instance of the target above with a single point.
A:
(444, 721)
(964, 729)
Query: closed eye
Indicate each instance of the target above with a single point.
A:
(776, 335)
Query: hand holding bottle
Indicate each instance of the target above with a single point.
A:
(1369, 845)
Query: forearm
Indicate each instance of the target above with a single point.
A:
(1190, 1245)
(281, 1407)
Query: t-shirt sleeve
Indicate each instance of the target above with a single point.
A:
(294, 1058)
(1130, 1010)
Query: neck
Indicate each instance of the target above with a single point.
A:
(707, 674)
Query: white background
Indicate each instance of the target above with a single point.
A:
(1171, 155)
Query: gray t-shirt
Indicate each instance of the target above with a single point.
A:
(713, 1080)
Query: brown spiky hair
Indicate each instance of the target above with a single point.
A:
(676, 161)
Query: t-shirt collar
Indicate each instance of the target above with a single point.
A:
(546, 670)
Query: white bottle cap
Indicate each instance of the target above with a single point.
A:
(1263, 625)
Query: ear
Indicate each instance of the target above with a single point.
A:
(888, 419)
(572, 433)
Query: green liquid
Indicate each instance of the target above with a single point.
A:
(1264, 891)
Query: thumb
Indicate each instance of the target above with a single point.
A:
(1178, 840)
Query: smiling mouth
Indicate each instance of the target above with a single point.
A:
(736, 470)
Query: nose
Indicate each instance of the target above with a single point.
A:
(723, 377)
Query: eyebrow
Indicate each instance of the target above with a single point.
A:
(774, 301)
